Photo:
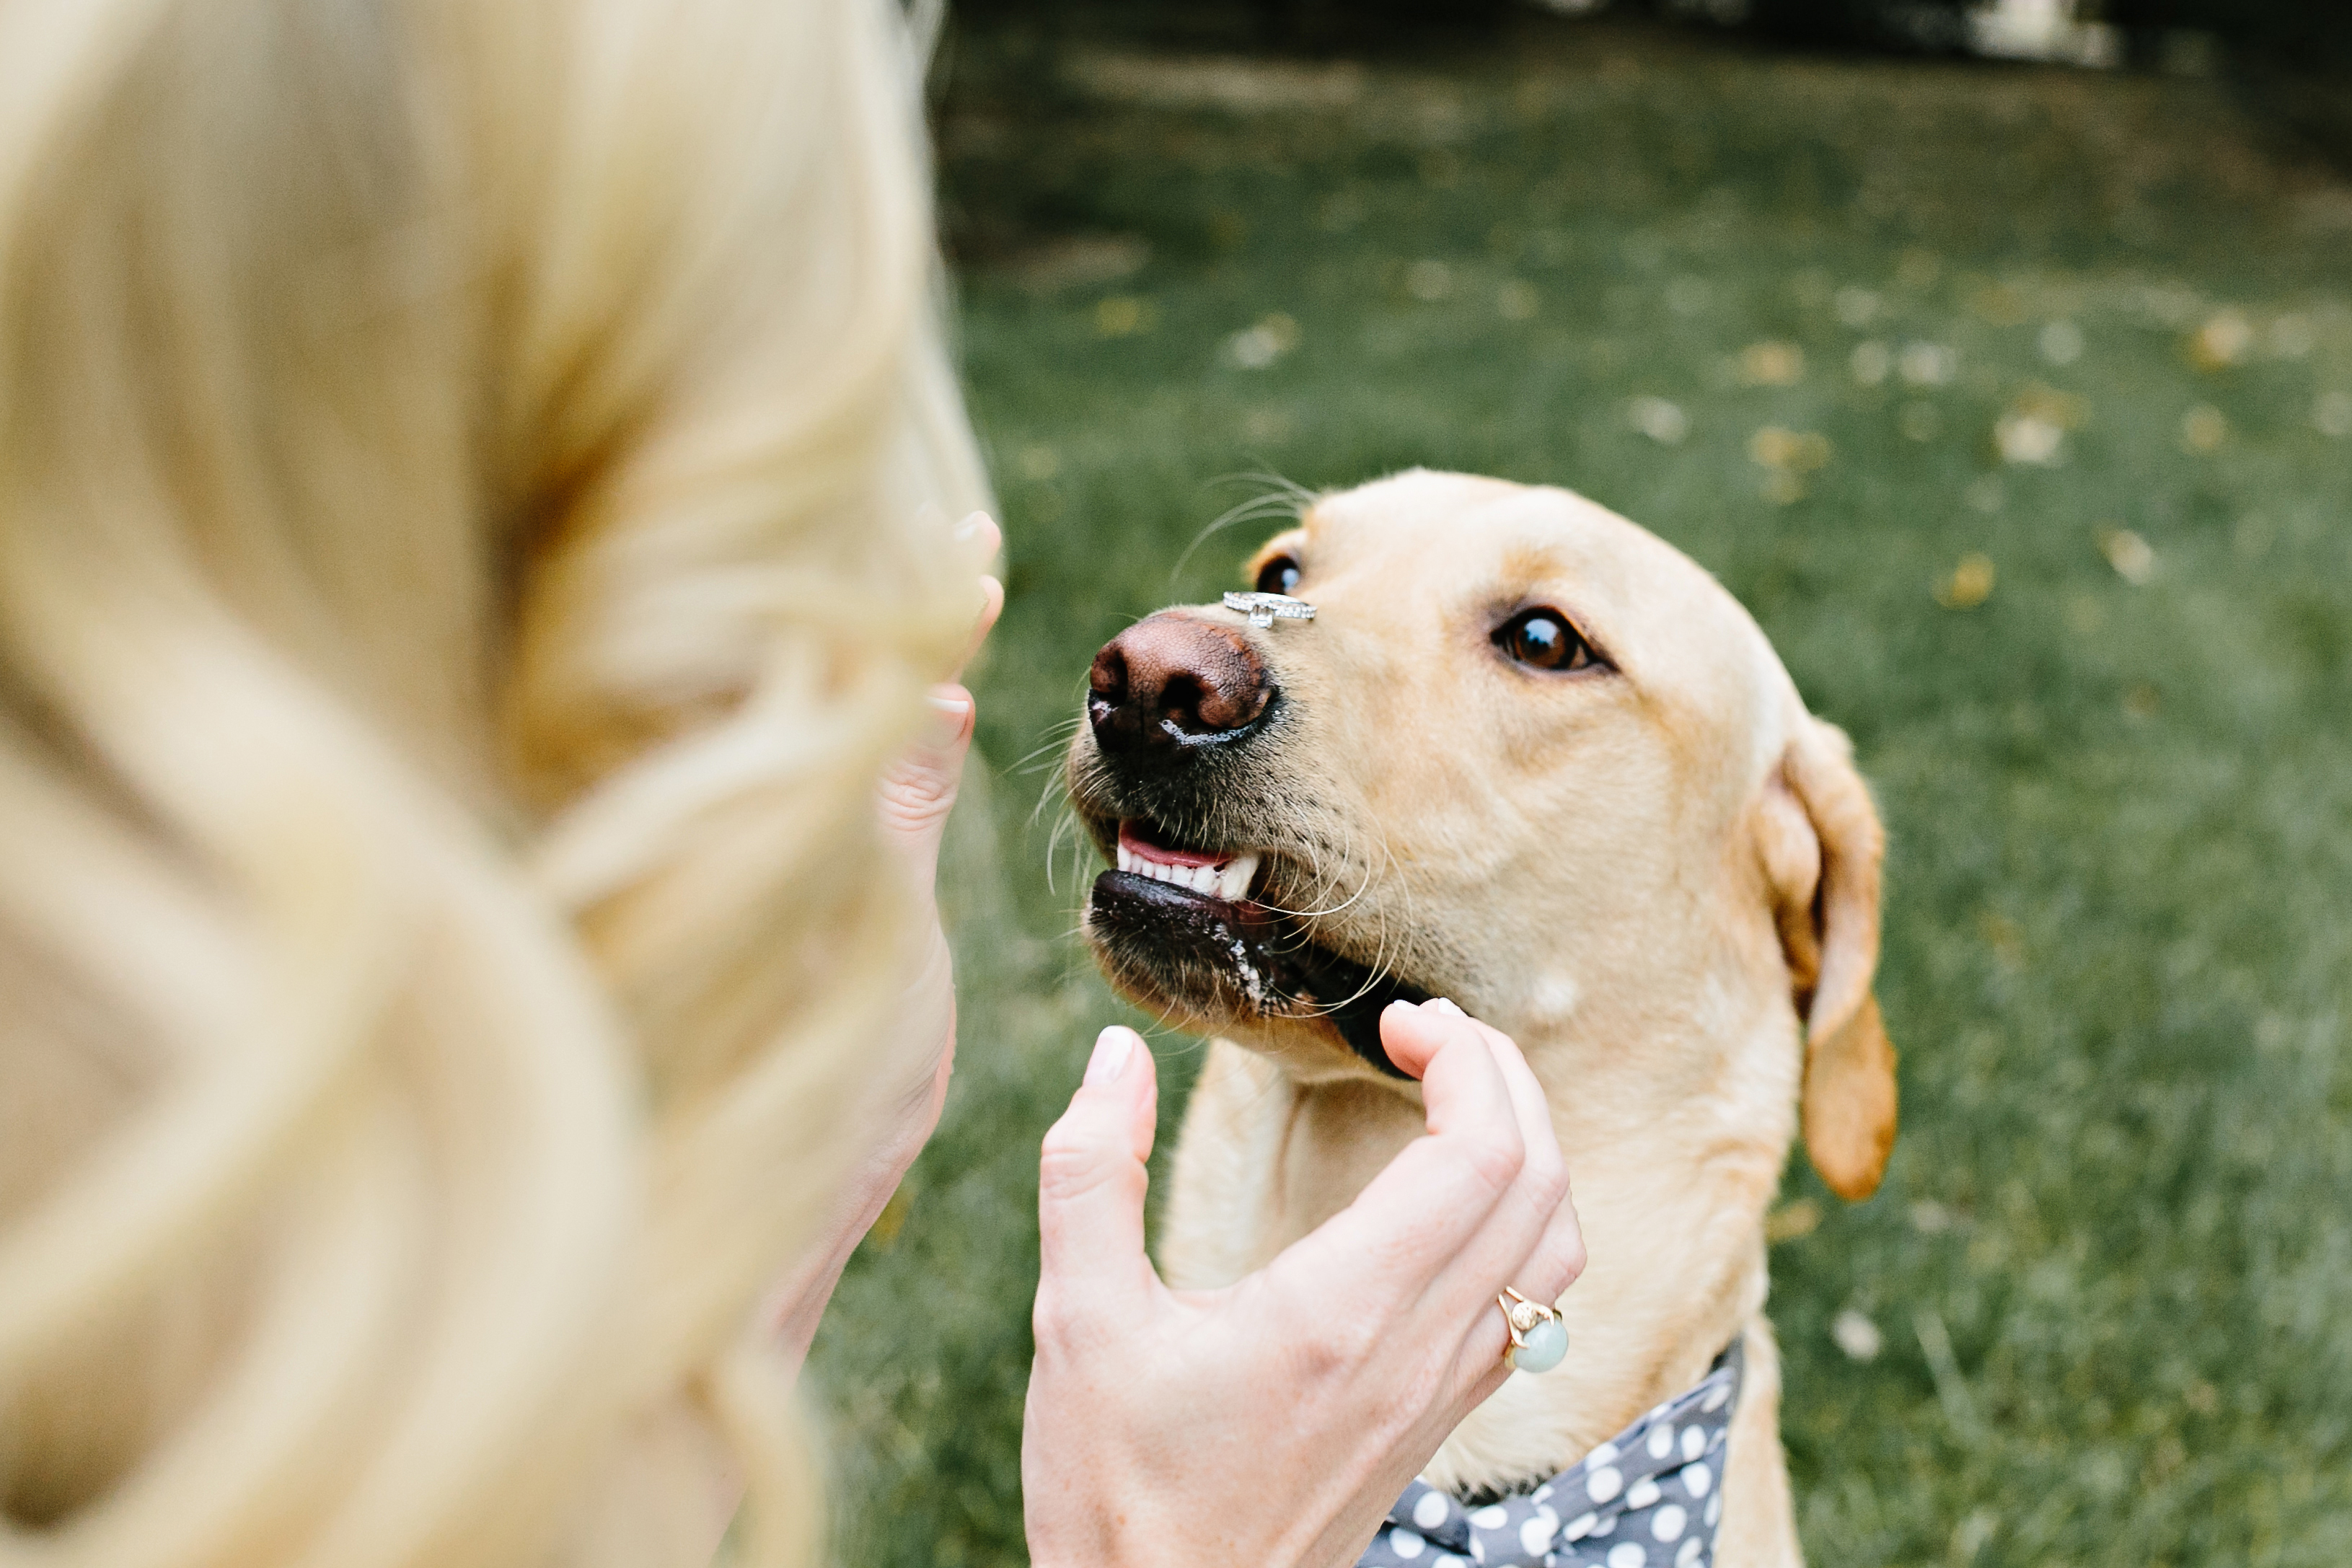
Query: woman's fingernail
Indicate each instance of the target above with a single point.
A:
(1113, 1047)
(969, 529)
(1442, 1004)
(947, 713)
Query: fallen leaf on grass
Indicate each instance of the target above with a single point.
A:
(1429, 281)
(2028, 439)
(2222, 342)
(1257, 347)
(1799, 451)
(1857, 307)
(2203, 429)
(1787, 457)
(1930, 1217)
(1124, 316)
(2034, 430)
(1857, 1336)
(1660, 420)
(1928, 365)
(2133, 557)
(1771, 365)
(2332, 415)
(1998, 303)
(1970, 584)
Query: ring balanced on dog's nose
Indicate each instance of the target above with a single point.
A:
(1538, 1338)
(1262, 608)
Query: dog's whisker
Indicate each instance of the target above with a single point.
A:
(1047, 796)
(1052, 844)
(1287, 500)
(1079, 845)
(1047, 758)
(1278, 485)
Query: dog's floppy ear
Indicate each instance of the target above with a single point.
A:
(1821, 842)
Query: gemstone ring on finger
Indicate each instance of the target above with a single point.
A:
(1538, 1337)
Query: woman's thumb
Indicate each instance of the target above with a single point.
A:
(1091, 1176)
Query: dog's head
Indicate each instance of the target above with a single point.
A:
(1526, 755)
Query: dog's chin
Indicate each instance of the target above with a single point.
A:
(1216, 964)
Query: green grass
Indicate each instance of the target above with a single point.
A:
(2118, 946)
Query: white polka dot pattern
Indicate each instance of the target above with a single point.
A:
(1648, 1498)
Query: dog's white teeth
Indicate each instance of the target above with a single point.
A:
(1227, 879)
(1234, 880)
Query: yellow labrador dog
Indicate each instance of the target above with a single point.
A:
(1528, 756)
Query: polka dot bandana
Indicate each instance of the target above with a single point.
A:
(1648, 1498)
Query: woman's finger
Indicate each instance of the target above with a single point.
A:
(978, 537)
(1542, 1185)
(992, 605)
(1558, 1258)
(1091, 1178)
(918, 789)
(1540, 1258)
(1412, 1033)
(1506, 1246)
(1414, 1220)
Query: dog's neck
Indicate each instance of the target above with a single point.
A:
(1676, 1134)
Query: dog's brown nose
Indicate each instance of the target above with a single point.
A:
(1170, 681)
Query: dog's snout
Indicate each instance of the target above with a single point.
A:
(1171, 682)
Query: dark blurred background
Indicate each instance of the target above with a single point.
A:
(2291, 59)
(2000, 359)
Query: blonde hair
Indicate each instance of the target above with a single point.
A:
(464, 558)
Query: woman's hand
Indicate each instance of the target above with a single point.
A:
(1276, 1421)
(916, 794)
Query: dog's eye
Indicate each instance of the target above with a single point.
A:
(1279, 575)
(1544, 639)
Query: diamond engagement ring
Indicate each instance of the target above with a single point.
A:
(1262, 608)
(1538, 1338)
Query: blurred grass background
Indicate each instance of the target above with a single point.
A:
(2017, 405)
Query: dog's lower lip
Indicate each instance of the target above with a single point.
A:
(1264, 962)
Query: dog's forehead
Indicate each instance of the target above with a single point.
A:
(1504, 540)
(1442, 542)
